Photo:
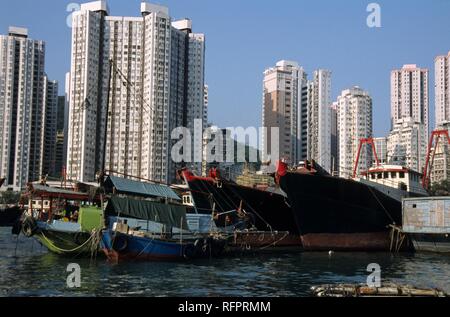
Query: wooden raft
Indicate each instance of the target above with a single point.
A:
(386, 290)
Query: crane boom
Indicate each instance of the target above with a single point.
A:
(361, 143)
(435, 135)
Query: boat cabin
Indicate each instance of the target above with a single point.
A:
(397, 177)
(63, 209)
(187, 199)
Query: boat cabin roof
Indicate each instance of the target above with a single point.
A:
(139, 188)
(390, 168)
(42, 191)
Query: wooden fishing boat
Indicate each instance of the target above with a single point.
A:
(119, 246)
(261, 219)
(150, 223)
(130, 220)
(64, 221)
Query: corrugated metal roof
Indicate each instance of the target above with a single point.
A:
(53, 190)
(47, 191)
(141, 188)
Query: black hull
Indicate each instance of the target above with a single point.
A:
(339, 214)
(9, 216)
(270, 211)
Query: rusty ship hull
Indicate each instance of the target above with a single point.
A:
(339, 214)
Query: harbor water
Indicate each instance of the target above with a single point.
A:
(27, 269)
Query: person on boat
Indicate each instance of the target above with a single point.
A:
(214, 173)
(74, 216)
(228, 220)
(67, 214)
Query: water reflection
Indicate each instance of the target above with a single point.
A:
(35, 272)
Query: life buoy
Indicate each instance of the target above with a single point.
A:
(78, 238)
(198, 243)
(189, 251)
(120, 243)
(207, 246)
(217, 248)
(29, 227)
(200, 246)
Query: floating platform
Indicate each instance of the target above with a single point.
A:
(385, 290)
(426, 220)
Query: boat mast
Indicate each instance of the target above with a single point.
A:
(102, 172)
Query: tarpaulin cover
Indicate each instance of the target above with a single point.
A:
(168, 214)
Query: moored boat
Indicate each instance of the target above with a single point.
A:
(150, 223)
(245, 208)
(339, 214)
(64, 221)
(9, 213)
(130, 220)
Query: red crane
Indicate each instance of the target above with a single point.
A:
(361, 142)
(435, 135)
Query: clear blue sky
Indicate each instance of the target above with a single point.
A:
(246, 36)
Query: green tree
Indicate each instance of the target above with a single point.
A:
(9, 197)
(441, 189)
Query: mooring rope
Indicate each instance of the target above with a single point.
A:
(252, 209)
(145, 248)
(67, 251)
(382, 206)
(275, 242)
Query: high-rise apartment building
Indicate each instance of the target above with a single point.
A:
(381, 148)
(442, 89)
(22, 100)
(354, 123)
(409, 94)
(407, 144)
(49, 129)
(60, 162)
(285, 107)
(319, 119)
(334, 139)
(155, 84)
(205, 106)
